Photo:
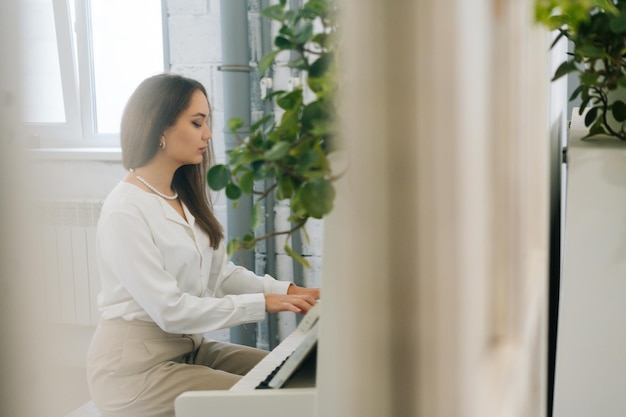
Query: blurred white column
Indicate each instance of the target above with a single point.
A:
(434, 270)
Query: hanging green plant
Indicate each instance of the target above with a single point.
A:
(597, 30)
(291, 151)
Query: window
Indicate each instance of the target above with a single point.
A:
(81, 61)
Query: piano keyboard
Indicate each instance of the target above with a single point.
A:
(264, 370)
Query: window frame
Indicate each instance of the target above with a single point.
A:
(40, 133)
(77, 80)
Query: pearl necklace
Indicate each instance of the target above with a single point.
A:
(153, 189)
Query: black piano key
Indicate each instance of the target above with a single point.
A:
(265, 384)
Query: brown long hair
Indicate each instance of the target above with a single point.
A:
(153, 107)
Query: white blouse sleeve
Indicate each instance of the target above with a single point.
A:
(131, 264)
(228, 278)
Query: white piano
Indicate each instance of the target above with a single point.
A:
(290, 368)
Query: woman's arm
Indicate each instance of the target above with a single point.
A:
(279, 295)
(135, 283)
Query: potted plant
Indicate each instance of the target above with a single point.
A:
(290, 148)
(597, 30)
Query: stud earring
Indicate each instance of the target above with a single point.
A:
(162, 145)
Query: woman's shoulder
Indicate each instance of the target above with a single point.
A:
(123, 191)
(126, 197)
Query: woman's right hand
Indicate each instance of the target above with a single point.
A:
(275, 303)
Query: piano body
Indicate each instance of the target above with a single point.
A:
(287, 402)
(253, 396)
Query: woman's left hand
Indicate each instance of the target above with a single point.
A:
(295, 290)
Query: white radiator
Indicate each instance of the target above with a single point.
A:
(69, 260)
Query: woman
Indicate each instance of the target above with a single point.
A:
(165, 274)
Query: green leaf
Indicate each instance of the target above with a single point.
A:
(292, 17)
(233, 192)
(246, 182)
(564, 69)
(298, 63)
(261, 169)
(282, 43)
(320, 39)
(314, 113)
(575, 93)
(232, 246)
(588, 77)
(267, 61)
(259, 123)
(256, 218)
(218, 177)
(286, 31)
(248, 241)
(307, 238)
(591, 115)
(607, 5)
(275, 93)
(557, 39)
(296, 256)
(596, 129)
(290, 100)
(306, 162)
(297, 207)
(317, 197)
(556, 22)
(278, 151)
(285, 187)
(245, 155)
(590, 51)
(235, 124)
(304, 35)
(319, 67)
(583, 105)
(275, 12)
(619, 110)
(315, 7)
(289, 125)
(617, 23)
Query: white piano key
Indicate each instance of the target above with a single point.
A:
(270, 362)
(277, 356)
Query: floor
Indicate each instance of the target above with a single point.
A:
(70, 394)
(66, 383)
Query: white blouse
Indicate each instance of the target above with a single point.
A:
(155, 266)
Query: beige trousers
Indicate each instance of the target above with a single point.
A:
(135, 369)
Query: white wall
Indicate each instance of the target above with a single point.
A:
(590, 360)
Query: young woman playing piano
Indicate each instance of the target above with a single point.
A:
(165, 275)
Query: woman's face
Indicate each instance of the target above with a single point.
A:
(187, 140)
